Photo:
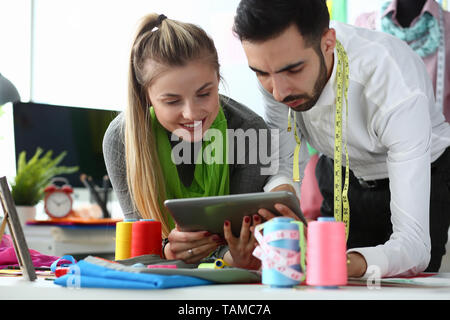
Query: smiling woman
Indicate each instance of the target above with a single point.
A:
(186, 98)
(174, 99)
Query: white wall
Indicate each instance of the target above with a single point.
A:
(7, 151)
(356, 7)
(81, 49)
(15, 27)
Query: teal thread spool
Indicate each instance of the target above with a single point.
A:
(273, 277)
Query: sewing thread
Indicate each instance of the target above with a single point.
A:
(123, 240)
(146, 238)
(326, 257)
(279, 252)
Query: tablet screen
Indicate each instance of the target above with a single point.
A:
(210, 213)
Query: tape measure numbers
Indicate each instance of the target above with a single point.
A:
(440, 85)
(341, 204)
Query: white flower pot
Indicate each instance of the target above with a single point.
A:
(26, 213)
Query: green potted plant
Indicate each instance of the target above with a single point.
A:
(33, 176)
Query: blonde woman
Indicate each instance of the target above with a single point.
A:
(174, 92)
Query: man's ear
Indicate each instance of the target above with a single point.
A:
(328, 42)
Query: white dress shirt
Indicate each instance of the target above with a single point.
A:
(393, 130)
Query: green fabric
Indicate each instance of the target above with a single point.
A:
(311, 150)
(211, 178)
(339, 10)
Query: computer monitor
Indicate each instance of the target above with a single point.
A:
(79, 131)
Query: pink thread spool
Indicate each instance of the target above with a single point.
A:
(326, 257)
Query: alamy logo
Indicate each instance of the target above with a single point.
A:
(252, 146)
(374, 277)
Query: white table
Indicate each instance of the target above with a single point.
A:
(41, 289)
(227, 301)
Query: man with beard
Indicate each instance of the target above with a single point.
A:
(364, 100)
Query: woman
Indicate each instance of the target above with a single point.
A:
(173, 93)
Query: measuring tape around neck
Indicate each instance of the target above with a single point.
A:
(440, 85)
(341, 204)
(296, 169)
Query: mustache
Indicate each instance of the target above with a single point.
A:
(297, 97)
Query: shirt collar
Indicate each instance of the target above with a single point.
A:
(430, 6)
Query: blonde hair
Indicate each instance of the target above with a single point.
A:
(158, 43)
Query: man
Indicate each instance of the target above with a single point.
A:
(396, 140)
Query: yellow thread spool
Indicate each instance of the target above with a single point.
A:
(220, 263)
(123, 240)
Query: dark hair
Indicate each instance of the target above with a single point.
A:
(261, 20)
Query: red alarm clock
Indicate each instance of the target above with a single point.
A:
(58, 200)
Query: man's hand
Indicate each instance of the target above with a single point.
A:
(284, 187)
(281, 208)
(356, 265)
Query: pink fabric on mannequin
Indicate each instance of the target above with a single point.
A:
(311, 198)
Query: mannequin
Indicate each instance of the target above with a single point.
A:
(408, 21)
(408, 10)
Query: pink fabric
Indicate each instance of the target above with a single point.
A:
(8, 255)
(311, 198)
(369, 20)
(6, 242)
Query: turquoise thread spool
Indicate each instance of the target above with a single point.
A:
(270, 276)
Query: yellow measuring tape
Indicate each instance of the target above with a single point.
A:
(341, 204)
(296, 169)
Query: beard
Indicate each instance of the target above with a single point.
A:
(311, 100)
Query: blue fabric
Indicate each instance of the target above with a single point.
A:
(89, 275)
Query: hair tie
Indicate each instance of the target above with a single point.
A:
(161, 18)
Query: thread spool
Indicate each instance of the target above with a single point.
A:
(276, 275)
(123, 239)
(146, 237)
(326, 257)
(220, 263)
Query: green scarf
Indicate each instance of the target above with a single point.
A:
(211, 179)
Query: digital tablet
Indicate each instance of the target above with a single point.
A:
(210, 213)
